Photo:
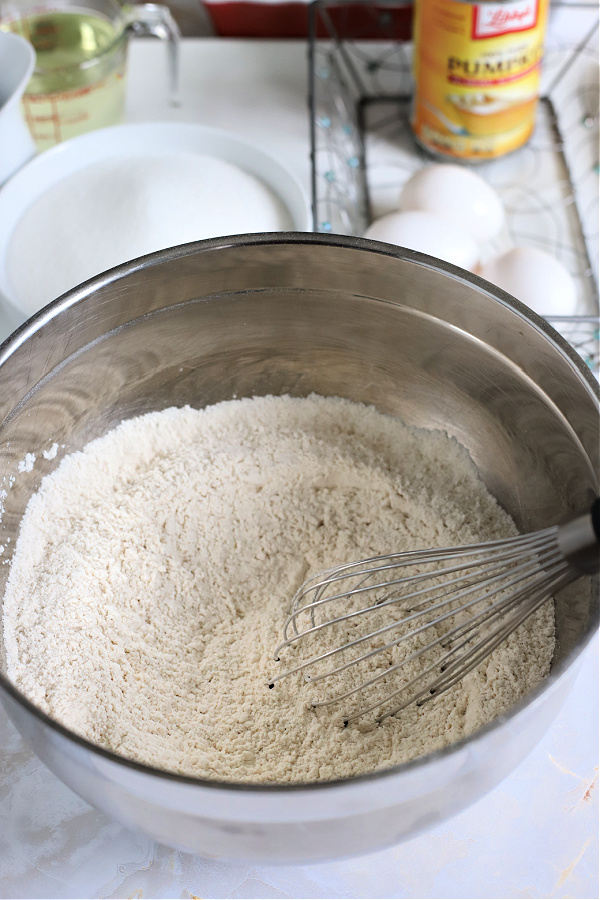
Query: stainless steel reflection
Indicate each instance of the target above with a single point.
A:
(294, 314)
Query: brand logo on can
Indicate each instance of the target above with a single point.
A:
(495, 19)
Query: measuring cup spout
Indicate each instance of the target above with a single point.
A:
(16, 143)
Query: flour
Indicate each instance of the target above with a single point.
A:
(27, 463)
(51, 453)
(154, 570)
(118, 209)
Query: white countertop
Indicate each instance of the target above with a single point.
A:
(535, 835)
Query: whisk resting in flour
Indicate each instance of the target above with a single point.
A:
(407, 627)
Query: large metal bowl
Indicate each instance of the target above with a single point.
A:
(294, 314)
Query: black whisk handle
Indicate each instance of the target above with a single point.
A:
(596, 517)
(579, 541)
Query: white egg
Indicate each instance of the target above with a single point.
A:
(430, 234)
(536, 279)
(458, 195)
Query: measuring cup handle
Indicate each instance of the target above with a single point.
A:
(156, 20)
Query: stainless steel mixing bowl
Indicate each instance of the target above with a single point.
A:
(294, 314)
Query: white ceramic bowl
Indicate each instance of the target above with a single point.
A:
(127, 141)
(18, 61)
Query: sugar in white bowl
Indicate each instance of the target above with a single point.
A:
(117, 209)
(216, 177)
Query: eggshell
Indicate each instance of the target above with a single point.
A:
(536, 279)
(430, 234)
(457, 194)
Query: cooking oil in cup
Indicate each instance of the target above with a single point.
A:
(78, 83)
(79, 80)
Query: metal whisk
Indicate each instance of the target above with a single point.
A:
(452, 607)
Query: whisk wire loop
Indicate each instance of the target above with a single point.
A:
(481, 553)
(411, 634)
(462, 588)
(498, 609)
(449, 607)
(524, 604)
(500, 561)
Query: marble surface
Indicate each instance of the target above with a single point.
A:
(535, 835)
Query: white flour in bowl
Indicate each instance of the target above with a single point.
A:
(154, 570)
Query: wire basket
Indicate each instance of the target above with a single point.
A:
(363, 150)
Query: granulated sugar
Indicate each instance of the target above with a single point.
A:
(154, 571)
(115, 210)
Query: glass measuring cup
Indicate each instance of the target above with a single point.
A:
(78, 83)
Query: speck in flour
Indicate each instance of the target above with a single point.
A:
(154, 569)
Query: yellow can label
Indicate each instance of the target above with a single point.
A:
(477, 75)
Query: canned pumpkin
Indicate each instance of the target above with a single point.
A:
(477, 75)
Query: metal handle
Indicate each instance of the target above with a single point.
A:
(579, 540)
(156, 20)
